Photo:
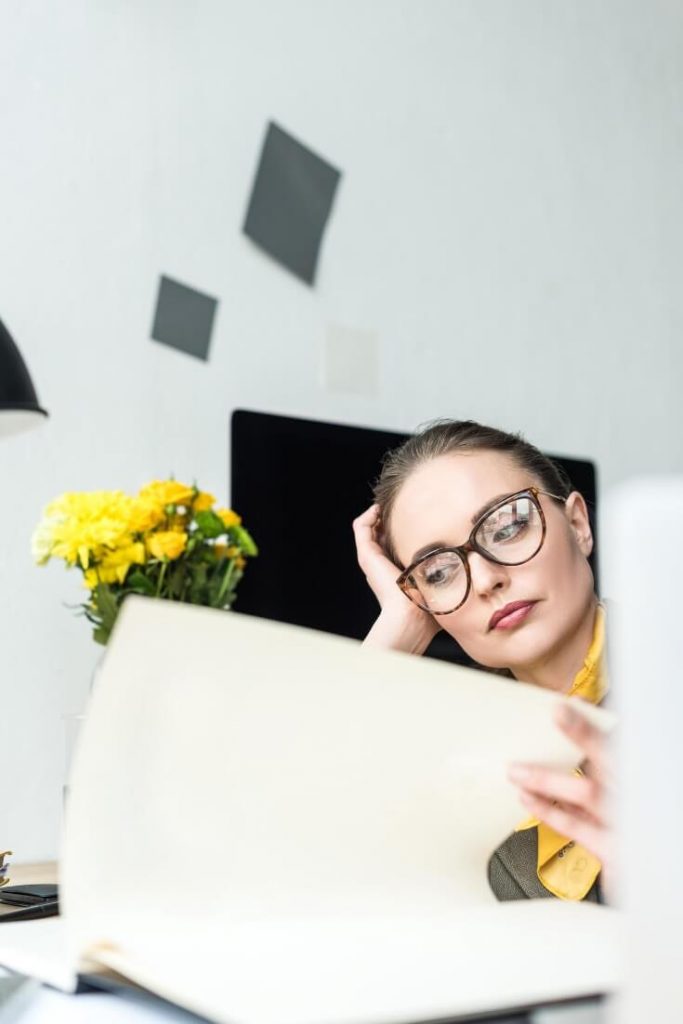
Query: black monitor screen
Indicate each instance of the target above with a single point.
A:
(298, 484)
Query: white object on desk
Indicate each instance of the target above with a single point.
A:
(644, 573)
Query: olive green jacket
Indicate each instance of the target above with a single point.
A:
(512, 870)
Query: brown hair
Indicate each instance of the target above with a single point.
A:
(442, 437)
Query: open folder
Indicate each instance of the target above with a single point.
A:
(268, 825)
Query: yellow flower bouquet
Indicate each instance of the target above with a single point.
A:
(168, 541)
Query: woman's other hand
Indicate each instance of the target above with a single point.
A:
(576, 806)
(401, 625)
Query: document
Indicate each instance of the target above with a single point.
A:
(268, 824)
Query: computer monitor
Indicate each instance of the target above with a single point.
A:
(298, 484)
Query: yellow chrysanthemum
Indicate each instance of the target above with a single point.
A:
(81, 527)
(90, 579)
(119, 541)
(167, 492)
(114, 567)
(203, 501)
(229, 517)
(145, 515)
(166, 544)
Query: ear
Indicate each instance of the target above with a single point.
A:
(577, 517)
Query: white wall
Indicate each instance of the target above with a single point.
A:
(509, 222)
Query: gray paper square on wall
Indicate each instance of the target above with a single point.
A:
(290, 202)
(184, 318)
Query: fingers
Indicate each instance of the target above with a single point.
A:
(365, 530)
(364, 525)
(379, 570)
(364, 533)
(573, 805)
(580, 792)
(572, 823)
(367, 518)
(587, 736)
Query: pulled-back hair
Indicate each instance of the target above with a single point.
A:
(443, 437)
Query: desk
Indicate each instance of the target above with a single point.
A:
(29, 874)
(47, 1006)
(33, 874)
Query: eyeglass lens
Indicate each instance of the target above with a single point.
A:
(510, 534)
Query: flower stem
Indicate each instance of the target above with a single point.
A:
(160, 581)
(226, 581)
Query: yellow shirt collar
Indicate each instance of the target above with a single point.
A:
(590, 682)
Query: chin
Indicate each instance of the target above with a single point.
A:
(513, 650)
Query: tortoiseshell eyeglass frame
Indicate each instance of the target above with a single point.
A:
(403, 581)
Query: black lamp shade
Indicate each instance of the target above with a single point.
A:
(19, 408)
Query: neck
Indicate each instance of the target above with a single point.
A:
(558, 668)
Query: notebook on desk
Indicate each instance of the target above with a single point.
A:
(268, 824)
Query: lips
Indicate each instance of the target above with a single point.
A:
(511, 615)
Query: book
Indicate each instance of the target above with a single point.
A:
(268, 824)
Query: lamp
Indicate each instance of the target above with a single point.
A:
(19, 409)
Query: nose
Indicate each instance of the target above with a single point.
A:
(487, 576)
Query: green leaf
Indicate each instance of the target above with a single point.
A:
(107, 608)
(101, 635)
(198, 584)
(105, 601)
(244, 540)
(140, 583)
(209, 523)
(175, 582)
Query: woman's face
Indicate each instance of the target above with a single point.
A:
(438, 504)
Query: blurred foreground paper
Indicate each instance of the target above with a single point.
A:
(647, 651)
(268, 824)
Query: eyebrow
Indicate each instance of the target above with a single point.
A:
(437, 544)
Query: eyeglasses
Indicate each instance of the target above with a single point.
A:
(510, 533)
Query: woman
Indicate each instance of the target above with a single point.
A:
(476, 532)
